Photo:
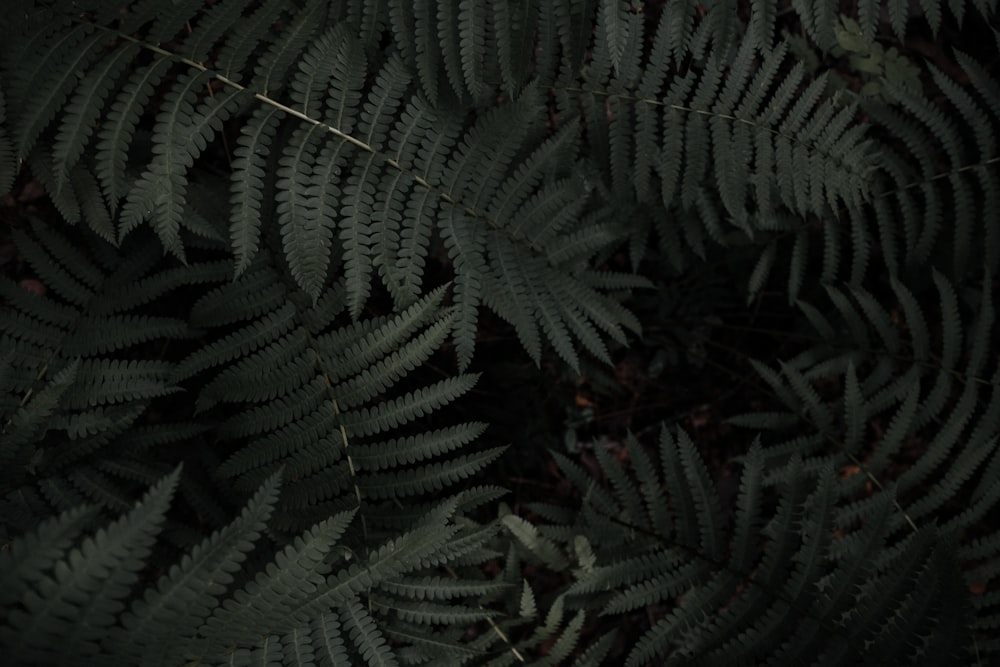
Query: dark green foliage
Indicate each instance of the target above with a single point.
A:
(306, 601)
(82, 365)
(289, 219)
(814, 593)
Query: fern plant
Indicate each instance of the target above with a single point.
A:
(290, 222)
(301, 607)
(81, 368)
(815, 593)
(335, 106)
(290, 392)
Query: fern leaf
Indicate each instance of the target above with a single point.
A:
(185, 596)
(271, 71)
(244, 36)
(30, 422)
(615, 33)
(306, 234)
(396, 452)
(65, 281)
(107, 334)
(472, 17)
(32, 555)
(74, 53)
(374, 380)
(762, 20)
(429, 478)
(327, 635)
(365, 343)
(761, 271)
(83, 109)
(355, 233)
(397, 557)
(706, 501)
(448, 39)
(950, 320)
(363, 631)
(410, 406)
(506, 265)
(267, 601)
(185, 131)
(212, 24)
(748, 521)
(515, 29)
(465, 244)
(113, 381)
(256, 336)
(427, 47)
(868, 16)
(248, 185)
(115, 135)
(84, 586)
(440, 588)
(536, 543)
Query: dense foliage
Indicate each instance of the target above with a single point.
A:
(256, 402)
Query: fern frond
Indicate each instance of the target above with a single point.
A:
(271, 596)
(735, 600)
(320, 399)
(181, 133)
(81, 375)
(82, 111)
(35, 553)
(727, 140)
(184, 597)
(307, 600)
(372, 645)
(88, 585)
(248, 184)
(965, 184)
(115, 136)
(404, 173)
(72, 52)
